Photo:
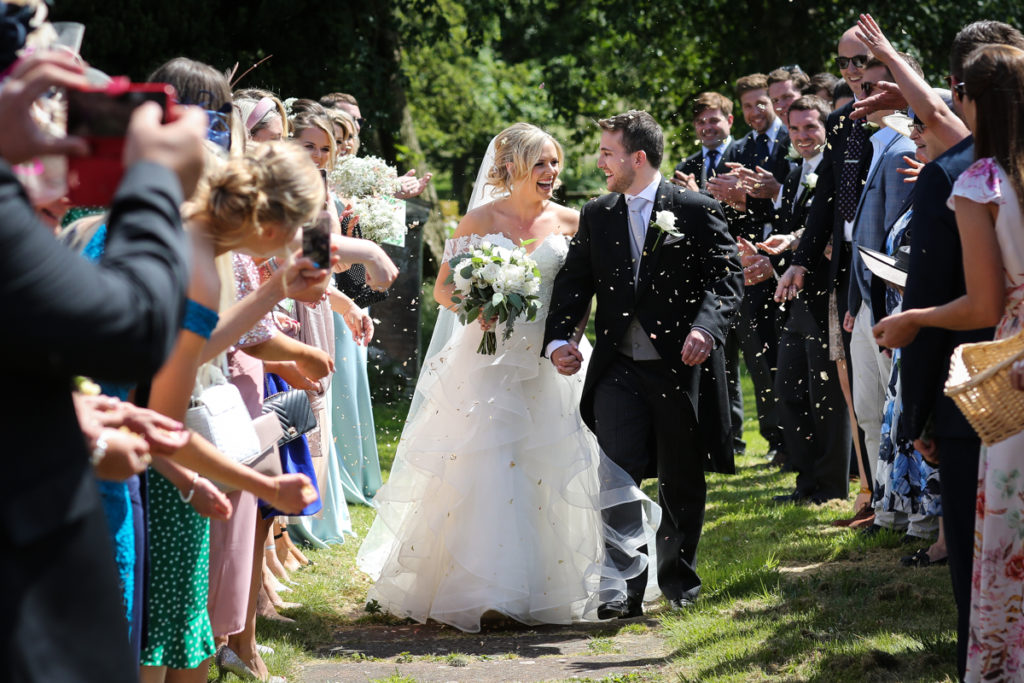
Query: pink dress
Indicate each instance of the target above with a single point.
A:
(996, 646)
(231, 542)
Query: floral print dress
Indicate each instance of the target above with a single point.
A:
(996, 644)
(904, 481)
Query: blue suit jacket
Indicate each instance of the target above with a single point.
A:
(879, 206)
(936, 277)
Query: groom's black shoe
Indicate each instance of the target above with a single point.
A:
(621, 609)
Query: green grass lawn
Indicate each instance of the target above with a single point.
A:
(786, 596)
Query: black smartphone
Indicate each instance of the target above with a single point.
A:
(316, 240)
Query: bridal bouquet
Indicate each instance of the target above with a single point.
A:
(495, 282)
(370, 183)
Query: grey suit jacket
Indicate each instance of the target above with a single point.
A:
(879, 206)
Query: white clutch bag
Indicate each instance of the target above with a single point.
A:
(218, 413)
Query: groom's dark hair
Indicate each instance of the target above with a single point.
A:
(639, 132)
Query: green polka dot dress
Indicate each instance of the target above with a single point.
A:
(178, 629)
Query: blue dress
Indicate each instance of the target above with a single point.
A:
(354, 435)
(295, 456)
(122, 505)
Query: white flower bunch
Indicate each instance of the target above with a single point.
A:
(495, 282)
(363, 177)
(381, 219)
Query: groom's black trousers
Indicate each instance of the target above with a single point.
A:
(644, 421)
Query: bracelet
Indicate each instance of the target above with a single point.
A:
(865, 489)
(191, 491)
(99, 451)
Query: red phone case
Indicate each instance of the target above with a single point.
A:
(93, 179)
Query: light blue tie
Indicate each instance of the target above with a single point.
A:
(637, 232)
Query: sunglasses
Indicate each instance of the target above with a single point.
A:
(792, 68)
(918, 125)
(857, 60)
(218, 131)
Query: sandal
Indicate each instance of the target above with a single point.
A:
(921, 559)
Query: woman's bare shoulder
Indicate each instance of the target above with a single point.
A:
(568, 219)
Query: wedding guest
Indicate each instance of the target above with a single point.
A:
(785, 85)
(410, 186)
(937, 277)
(712, 122)
(829, 224)
(881, 199)
(759, 165)
(842, 95)
(813, 414)
(906, 485)
(987, 200)
(262, 114)
(120, 323)
(823, 85)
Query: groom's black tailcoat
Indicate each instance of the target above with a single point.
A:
(696, 281)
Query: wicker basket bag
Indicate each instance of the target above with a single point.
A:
(979, 383)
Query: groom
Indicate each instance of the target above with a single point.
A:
(667, 278)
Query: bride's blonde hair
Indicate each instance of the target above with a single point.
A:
(520, 145)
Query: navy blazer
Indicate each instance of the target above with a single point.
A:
(936, 277)
(759, 211)
(790, 217)
(694, 164)
(825, 224)
(65, 316)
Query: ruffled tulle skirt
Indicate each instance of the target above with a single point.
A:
(496, 498)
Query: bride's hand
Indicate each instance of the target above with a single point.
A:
(487, 324)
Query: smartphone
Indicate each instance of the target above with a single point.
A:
(316, 240)
(101, 117)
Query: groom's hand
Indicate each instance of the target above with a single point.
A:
(567, 359)
(697, 347)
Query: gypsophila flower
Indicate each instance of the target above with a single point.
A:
(364, 177)
(377, 218)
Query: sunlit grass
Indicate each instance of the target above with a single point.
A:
(786, 596)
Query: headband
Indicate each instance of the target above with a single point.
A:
(262, 107)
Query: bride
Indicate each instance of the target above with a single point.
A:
(496, 497)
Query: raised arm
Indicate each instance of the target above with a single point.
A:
(928, 107)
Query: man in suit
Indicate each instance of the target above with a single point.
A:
(880, 203)
(829, 223)
(712, 121)
(667, 279)
(64, 620)
(760, 164)
(813, 413)
(785, 85)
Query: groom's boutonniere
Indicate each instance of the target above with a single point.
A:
(666, 222)
(871, 128)
(810, 181)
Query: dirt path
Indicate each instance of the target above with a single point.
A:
(630, 650)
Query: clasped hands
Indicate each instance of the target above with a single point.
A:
(568, 359)
(734, 187)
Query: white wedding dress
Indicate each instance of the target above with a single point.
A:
(495, 497)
